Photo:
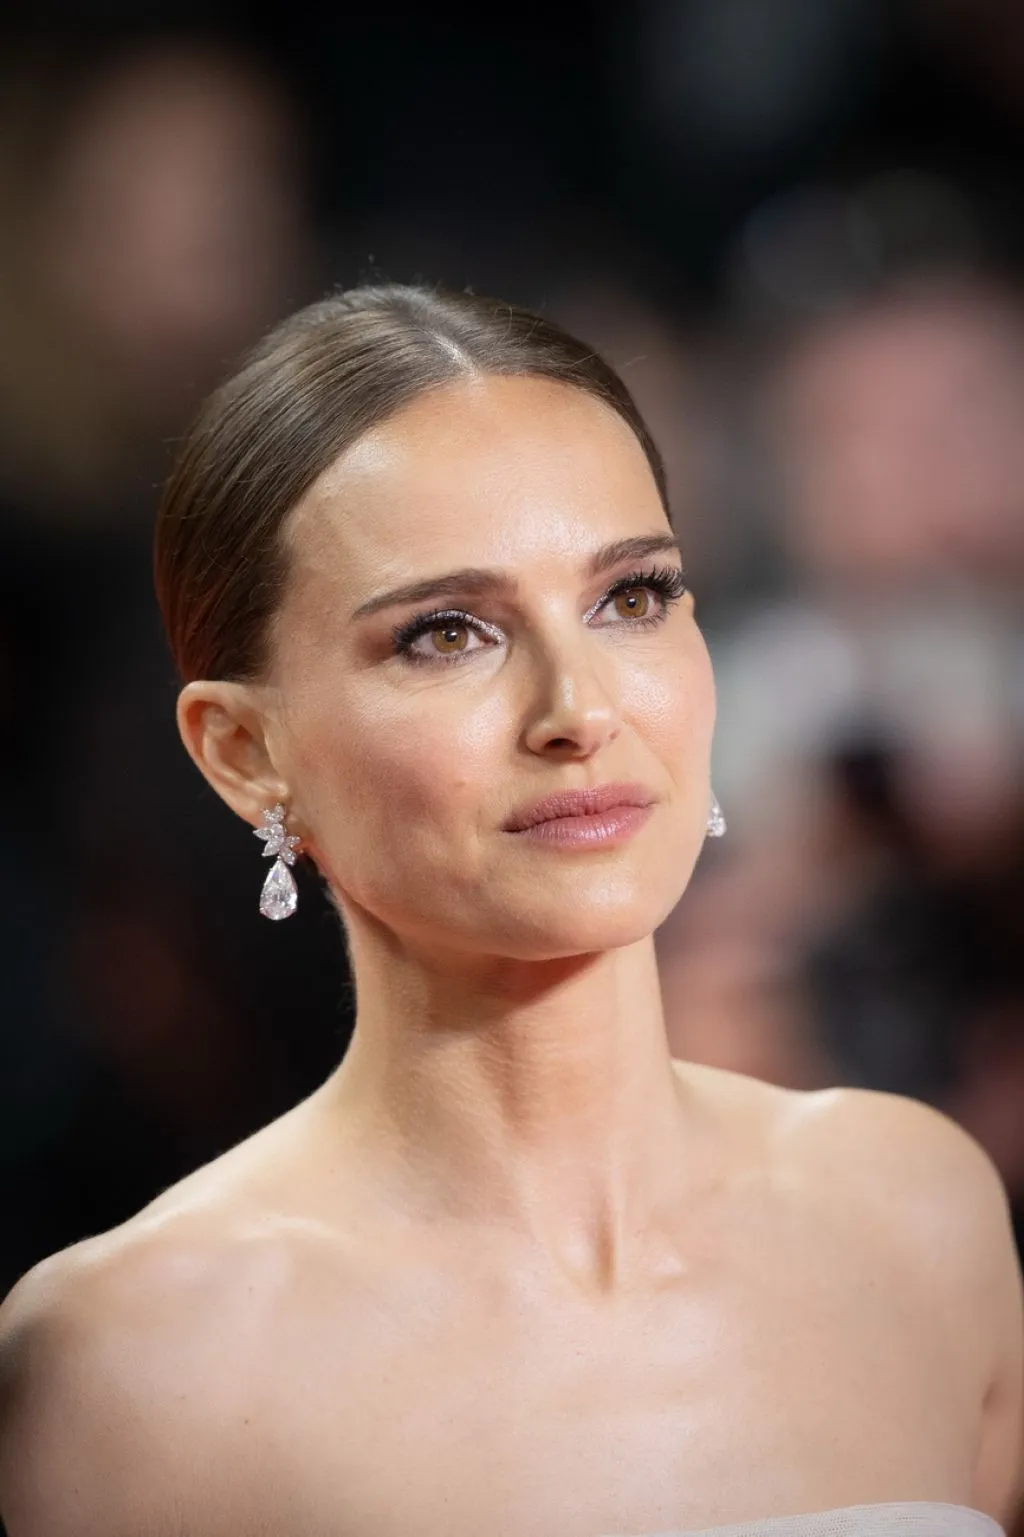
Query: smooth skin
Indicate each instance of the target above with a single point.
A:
(511, 1269)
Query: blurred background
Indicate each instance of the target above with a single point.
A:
(798, 230)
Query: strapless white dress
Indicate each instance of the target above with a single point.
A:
(899, 1518)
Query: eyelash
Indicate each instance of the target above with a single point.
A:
(666, 581)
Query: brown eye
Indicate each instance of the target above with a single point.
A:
(633, 603)
(449, 637)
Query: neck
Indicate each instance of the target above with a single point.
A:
(537, 1097)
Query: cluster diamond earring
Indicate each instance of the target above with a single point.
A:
(280, 896)
(716, 820)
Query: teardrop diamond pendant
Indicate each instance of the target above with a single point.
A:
(280, 896)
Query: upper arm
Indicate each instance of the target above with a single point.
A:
(999, 1468)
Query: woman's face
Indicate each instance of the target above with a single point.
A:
(410, 727)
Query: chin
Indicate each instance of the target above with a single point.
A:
(554, 928)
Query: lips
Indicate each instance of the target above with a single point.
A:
(578, 803)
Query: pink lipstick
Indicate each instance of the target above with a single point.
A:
(595, 818)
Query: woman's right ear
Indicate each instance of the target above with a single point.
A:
(222, 727)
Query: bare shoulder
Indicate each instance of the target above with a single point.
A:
(132, 1364)
(917, 1181)
(899, 1158)
(126, 1366)
(882, 1146)
(924, 1201)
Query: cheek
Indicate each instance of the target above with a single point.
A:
(672, 704)
(403, 763)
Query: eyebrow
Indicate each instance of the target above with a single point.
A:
(482, 579)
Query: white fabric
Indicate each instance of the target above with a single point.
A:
(901, 1518)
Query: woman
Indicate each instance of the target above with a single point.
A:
(511, 1270)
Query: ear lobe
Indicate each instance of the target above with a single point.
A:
(223, 731)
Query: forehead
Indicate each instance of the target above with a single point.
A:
(486, 471)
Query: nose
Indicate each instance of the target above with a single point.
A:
(575, 710)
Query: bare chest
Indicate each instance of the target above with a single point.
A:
(774, 1377)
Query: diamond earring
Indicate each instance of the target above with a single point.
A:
(716, 821)
(280, 896)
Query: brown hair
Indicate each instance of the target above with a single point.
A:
(307, 392)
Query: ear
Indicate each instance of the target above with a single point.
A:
(223, 728)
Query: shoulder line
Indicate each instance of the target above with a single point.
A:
(916, 1143)
(147, 1302)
